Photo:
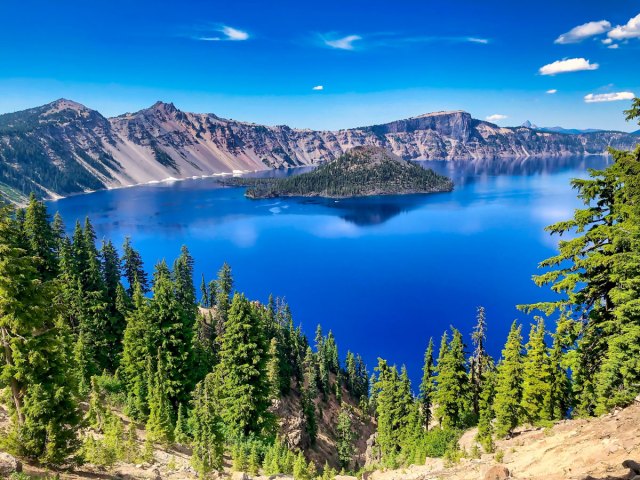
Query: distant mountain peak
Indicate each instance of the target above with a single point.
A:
(528, 124)
(66, 104)
(442, 113)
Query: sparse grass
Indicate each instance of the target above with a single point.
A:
(499, 456)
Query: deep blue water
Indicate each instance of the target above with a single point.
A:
(383, 273)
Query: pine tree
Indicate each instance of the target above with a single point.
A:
(244, 387)
(485, 418)
(480, 360)
(223, 290)
(509, 380)
(41, 241)
(558, 402)
(273, 374)
(536, 377)
(427, 387)
(208, 440)
(452, 393)
(137, 353)
(36, 356)
(133, 268)
(181, 432)
(171, 331)
(160, 423)
(344, 439)
(115, 303)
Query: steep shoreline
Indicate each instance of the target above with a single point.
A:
(64, 147)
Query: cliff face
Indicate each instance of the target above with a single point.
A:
(64, 147)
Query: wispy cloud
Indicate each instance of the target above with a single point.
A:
(318, 87)
(568, 65)
(483, 41)
(625, 32)
(581, 32)
(228, 34)
(495, 117)
(553, 91)
(608, 97)
(390, 40)
(341, 43)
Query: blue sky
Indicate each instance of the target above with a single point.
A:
(376, 61)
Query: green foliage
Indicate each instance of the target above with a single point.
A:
(160, 426)
(452, 393)
(243, 389)
(427, 386)
(345, 438)
(206, 425)
(509, 379)
(278, 459)
(536, 387)
(361, 171)
(181, 433)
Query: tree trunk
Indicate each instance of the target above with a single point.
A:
(16, 393)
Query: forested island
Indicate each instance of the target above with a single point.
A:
(362, 171)
(101, 364)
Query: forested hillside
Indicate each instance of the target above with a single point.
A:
(83, 325)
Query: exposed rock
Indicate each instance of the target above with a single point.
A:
(632, 465)
(239, 476)
(344, 477)
(74, 149)
(9, 464)
(372, 453)
(497, 472)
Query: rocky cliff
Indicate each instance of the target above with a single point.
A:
(64, 147)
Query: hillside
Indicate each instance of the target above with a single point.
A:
(580, 449)
(63, 147)
(362, 171)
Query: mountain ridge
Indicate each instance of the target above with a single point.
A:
(64, 147)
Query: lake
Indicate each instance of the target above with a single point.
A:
(383, 273)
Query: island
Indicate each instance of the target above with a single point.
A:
(362, 171)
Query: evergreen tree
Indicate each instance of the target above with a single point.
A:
(452, 393)
(596, 274)
(480, 360)
(133, 268)
(485, 419)
(171, 332)
(208, 440)
(244, 388)
(509, 379)
(36, 356)
(41, 241)
(427, 387)
(137, 352)
(116, 303)
(181, 432)
(160, 423)
(536, 377)
(345, 439)
(558, 402)
(223, 290)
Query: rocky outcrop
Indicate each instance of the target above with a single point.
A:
(64, 147)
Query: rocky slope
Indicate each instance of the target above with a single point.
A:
(583, 449)
(64, 147)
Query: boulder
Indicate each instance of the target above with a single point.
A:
(497, 472)
(8, 465)
(239, 476)
(632, 465)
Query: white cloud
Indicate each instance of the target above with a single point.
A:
(229, 34)
(579, 33)
(624, 32)
(495, 117)
(568, 65)
(608, 97)
(483, 41)
(318, 87)
(607, 41)
(552, 91)
(343, 43)
(614, 46)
